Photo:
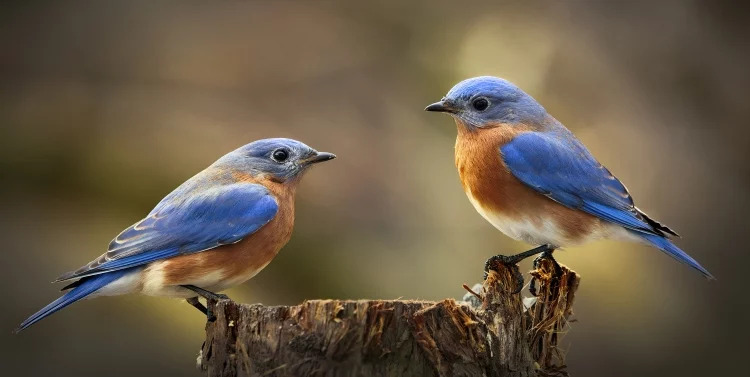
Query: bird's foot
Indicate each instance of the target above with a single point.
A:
(210, 317)
(220, 296)
(507, 261)
(208, 295)
(197, 304)
(512, 261)
(556, 274)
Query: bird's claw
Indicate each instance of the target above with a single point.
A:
(206, 310)
(512, 260)
(209, 296)
(556, 274)
(509, 262)
(210, 317)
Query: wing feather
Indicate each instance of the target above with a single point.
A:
(563, 169)
(196, 221)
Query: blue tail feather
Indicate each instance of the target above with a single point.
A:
(673, 251)
(87, 286)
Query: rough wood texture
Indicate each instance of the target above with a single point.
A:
(496, 335)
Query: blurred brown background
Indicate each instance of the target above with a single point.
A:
(105, 108)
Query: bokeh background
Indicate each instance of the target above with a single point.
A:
(105, 107)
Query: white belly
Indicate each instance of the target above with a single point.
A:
(150, 282)
(535, 229)
(153, 282)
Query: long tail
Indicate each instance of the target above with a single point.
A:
(86, 287)
(673, 251)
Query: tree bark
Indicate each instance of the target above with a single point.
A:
(493, 333)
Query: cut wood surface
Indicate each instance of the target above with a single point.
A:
(493, 333)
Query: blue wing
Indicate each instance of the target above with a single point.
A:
(183, 224)
(563, 169)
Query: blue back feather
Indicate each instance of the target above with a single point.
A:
(193, 221)
(563, 170)
(558, 166)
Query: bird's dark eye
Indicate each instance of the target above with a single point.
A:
(280, 155)
(480, 104)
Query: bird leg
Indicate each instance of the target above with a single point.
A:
(512, 260)
(208, 295)
(197, 304)
(555, 276)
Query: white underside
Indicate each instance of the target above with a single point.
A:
(536, 230)
(150, 281)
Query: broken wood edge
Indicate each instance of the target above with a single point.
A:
(497, 336)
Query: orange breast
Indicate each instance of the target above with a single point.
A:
(233, 264)
(489, 184)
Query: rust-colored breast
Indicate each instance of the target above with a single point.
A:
(482, 172)
(233, 264)
(488, 182)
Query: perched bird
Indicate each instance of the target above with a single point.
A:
(215, 231)
(527, 175)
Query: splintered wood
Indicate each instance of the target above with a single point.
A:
(499, 337)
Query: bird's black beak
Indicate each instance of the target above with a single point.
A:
(320, 157)
(442, 106)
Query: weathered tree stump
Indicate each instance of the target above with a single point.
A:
(493, 333)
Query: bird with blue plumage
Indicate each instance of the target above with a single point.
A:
(216, 230)
(532, 179)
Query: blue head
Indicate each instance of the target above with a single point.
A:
(485, 101)
(279, 160)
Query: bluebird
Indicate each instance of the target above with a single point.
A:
(527, 175)
(215, 231)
